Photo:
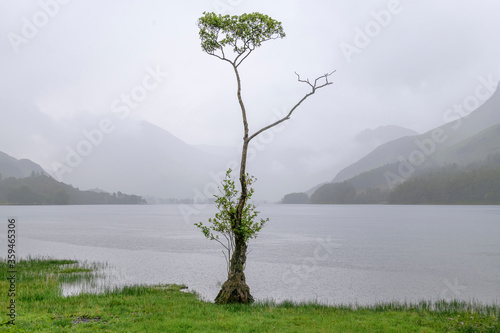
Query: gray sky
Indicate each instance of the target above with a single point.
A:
(398, 62)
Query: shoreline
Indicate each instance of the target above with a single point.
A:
(167, 308)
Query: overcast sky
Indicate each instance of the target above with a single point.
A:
(66, 64)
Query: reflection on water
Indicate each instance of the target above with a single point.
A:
(102, 278)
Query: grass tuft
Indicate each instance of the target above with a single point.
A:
(41, 307)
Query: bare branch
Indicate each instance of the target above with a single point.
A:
(305, 81)
(323, 77)
(314, 87)
(225, 236)
(221, 58)
(239, 63)
(216, 239)
(227, 261)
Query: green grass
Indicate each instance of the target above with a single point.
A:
(42, 308)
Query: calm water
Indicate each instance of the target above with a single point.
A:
(332, 254)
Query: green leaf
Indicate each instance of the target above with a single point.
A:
(224, 222)
(241, 34)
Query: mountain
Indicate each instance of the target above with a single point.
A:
(473, 149)
(364, 142)
(478, 183)
(371, 138)
(25, 182)
(139, 157)
(40, 189)
(11, 167)
(446, 144)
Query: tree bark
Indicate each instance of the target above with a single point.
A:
(235, 289)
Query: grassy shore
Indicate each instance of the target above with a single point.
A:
(40, 307)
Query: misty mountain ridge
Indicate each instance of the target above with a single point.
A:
(382, 134)
(40, 189)
(477, 183)
(460, 141)
(142, 158)
(23, 182)
(12, 167)
(139, 157)
(473, 149)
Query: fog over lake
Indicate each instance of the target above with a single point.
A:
(333, 254)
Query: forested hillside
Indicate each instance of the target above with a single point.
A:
(451, 185)
(39, 189)
(463, 141)
(345, 193)
(477, 183)
(11, 167)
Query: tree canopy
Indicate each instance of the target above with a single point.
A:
(243, 34)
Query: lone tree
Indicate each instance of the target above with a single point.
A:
(232, 39)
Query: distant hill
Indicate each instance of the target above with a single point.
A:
(334, 193)
(40, 189)
(382, 134)
(476, 183)
(468, 142)
(295, 199)
(461, 141)
(11, 167)
(473, 149)
(139, 157)
(142, 158)
(452, 185)
(24, 182)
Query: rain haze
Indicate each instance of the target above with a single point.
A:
(71, 68)
(381, 189)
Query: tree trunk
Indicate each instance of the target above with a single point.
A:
(235, 289)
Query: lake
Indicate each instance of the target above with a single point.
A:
(331, 254)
